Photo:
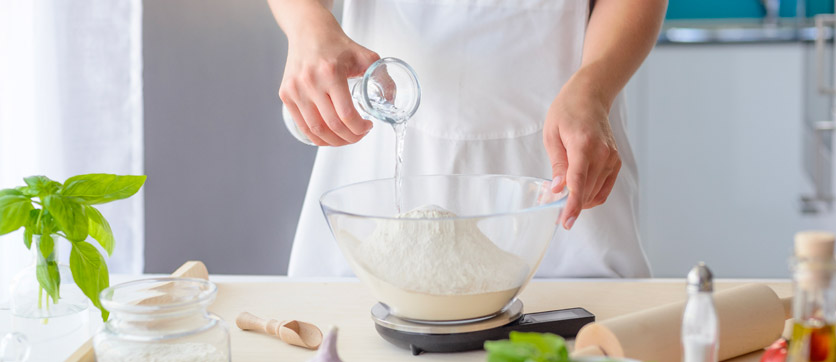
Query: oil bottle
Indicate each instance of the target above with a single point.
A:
(814, 301)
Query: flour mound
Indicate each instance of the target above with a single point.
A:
(439, 255)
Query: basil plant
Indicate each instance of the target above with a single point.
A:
(48, 208)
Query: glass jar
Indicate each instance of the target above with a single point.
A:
(55, 327)
(163, 319)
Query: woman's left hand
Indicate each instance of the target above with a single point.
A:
(581, 147)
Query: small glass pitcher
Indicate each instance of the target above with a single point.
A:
(162, 319)
(388, 91)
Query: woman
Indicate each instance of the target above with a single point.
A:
(521, 87)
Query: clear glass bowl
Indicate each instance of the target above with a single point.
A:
(161, 319)
(464, 249)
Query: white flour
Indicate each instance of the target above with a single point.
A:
(161, 352)
(439, 257)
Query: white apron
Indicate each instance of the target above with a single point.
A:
(489, 69)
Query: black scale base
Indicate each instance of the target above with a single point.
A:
(447, 337)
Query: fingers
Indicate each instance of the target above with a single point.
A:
(344, 106)
(595, 178)
(326, 110)
(576, 181)
(316, 116)
(605, 162)
(301, 125)
(316, 124)
(362, 62)
(607, 186)
(317, 96)
(559, 160)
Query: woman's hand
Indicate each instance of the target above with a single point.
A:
(581, 147)
(314, 88)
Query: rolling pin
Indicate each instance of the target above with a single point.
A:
(751, 317)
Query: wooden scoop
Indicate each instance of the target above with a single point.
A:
(191, 269)
(297, 333)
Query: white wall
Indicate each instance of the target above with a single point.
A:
(718, 134)
(225, 179)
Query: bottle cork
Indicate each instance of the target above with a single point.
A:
(814, 258)
(817, 245)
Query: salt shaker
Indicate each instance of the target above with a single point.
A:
(700, 335)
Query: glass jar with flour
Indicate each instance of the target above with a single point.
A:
(164, 319)
(388, 91)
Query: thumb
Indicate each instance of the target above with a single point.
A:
(362, 61)
(560, 163)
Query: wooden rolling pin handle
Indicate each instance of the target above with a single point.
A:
(249, 322)
(787, 303)
(589, 351)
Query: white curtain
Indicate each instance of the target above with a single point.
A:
(71, 103)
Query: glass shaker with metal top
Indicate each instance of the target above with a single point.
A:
(388, 92)
(700, 336)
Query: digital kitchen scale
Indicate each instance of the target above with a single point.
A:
(469, 335)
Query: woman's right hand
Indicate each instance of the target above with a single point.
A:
(314, 87)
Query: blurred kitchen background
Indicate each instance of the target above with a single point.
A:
(731, 119)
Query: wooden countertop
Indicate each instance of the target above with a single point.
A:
(346, 303)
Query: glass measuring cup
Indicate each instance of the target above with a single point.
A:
(388, 91)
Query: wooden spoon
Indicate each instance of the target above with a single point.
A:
(297, 333)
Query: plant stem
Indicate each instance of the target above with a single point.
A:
(40, 213)
(40, 294)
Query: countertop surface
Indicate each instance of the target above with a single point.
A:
(345, 302)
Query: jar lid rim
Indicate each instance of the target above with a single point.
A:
(205, 293)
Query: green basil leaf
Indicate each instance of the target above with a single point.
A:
(32, 222)
(507, 351)
(48, 225)
(14, 212)
(549, 346)
(528, 347)
(41, 224)
(27, 191)
(100, 229)
(31, 227)
(49, 278)
(46, 269)
(100, 188)
(69, 215)
(46, 245)
(42, 185)
(11, 192)
(90, 272)
(27, 237)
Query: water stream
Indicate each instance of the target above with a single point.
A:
(400, 134)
